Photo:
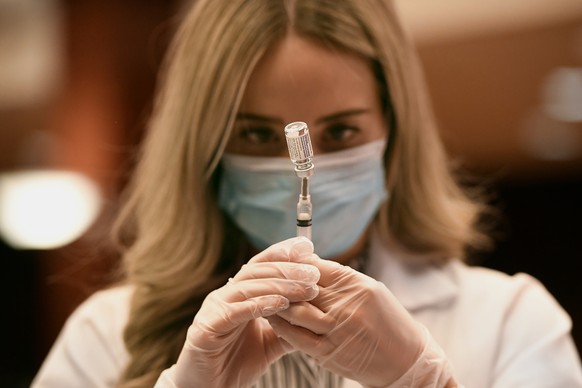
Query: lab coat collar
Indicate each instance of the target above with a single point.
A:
(415, 285)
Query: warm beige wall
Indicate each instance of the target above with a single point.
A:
(487, 64)
(444, 20)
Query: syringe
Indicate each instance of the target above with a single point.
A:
(301, 152)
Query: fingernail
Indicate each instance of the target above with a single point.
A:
(302, 248)
(312, 291)
(306, 273)
(279, 304)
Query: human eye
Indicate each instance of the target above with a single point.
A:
(258, 135)
(340, 136)
(256, 139)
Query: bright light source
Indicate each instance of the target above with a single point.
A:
(46, 209)
(563, 94)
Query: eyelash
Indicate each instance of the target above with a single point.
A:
(248, 133)
(330, 132)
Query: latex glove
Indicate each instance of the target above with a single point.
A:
(355, 327)
(431, 369)
(229, 344)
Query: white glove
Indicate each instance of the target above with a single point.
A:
(356, 328)
(226, 345)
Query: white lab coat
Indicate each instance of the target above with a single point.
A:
(497, 331)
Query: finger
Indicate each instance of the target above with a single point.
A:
(232, 315)
(330, 271)
(275, 346)
(317, 346)
(295, 291)
(291, 271)
(293, 249)
(308, 316)
(328, 299)
(349, 289)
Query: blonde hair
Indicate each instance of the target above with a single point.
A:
(177, 250)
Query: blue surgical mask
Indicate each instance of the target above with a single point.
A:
(260, 195)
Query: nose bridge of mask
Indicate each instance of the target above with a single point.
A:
(352, 172)
(256, 163)
(372, 151)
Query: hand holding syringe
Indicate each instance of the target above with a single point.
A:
(301, 152)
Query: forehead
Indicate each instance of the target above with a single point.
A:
(301, 77)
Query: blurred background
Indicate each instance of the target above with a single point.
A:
(76, 84)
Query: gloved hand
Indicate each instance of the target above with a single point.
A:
(229, 344)
(355, 327)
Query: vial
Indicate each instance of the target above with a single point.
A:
(300, 150)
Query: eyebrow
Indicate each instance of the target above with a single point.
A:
(257, 117)
(324, 119)
(341, 115)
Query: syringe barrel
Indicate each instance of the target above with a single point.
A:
(304, 220)
(304, 210)
(300, 150)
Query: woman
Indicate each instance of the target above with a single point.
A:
(390, 303)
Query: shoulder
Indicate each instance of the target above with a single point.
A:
(520, 304)
(90, 350)
(111, 301)
(104, 314)
(517, 329)
(489, 284)
(484, 285)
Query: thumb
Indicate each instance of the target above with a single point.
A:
(288, 250)
(301, 249)
(275, 346)
(330, 271)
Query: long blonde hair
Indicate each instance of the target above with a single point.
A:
(178, 250)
